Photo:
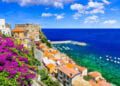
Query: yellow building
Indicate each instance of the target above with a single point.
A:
(19, 36)
(18, 33)
(26, 34)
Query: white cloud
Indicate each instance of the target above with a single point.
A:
(92, 7)
(46, 14)
(110, 22)
(92, 4)
(106, 1)
(97, 7)
(76, 16)
(56, 3)
(77, 7)
(95, 11)
(57, 16)
(92, 19)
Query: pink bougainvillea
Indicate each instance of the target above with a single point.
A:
(10, 61)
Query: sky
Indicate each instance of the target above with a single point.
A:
(62, 13)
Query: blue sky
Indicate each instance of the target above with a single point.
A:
(62, 13)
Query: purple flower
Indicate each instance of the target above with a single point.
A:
(23, 69)
(30, 76)
(9, 61)
(1, 68)
(20, 47)
(23, 59)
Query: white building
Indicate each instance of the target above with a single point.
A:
(2, 24)
(5, 28)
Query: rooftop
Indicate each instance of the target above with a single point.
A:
(70, 72)
(100, 83)
(18, 29)
(94, 74)
(103, 83)
(81, 68)
(50, 65)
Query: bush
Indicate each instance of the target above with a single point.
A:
(46, 79)
(44, 39)
(7, 82)
(16, 64)
(87, 78)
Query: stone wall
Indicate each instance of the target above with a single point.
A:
(31, 31)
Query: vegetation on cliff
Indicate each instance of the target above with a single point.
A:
(44, 39)
(46, 79)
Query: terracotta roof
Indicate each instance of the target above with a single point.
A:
(100, 83)
(50, 66)
(61, 61)
(53, 58)
(18, 29)
(103, 83)
(70, 72)
(81, 69)
(42, 46)
(94, 74)
(69, 65)
(93, 83)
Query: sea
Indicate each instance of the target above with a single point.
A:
(102, 52)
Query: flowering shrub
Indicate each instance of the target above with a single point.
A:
(15, 67)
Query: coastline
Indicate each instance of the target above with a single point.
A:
(82, 61)
(69, 41)
(61, 60)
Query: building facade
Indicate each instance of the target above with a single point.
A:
(5, 28)
(66, 75)
(31, 31)
(26, 34)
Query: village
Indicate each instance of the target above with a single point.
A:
(58, 64)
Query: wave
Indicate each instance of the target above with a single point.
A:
(69, 41)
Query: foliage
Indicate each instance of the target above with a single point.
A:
(16, 64)
(46, 79)
(87, 78)
(44, 74)
(5, 81)
(44, 39)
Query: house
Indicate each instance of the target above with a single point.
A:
(5, 28)
(82, 70)
(97, 79)
(96, 76)
(26, 34)
(66, 75)
(103, 83)
(51, 68)
(31, 31)
(93, 83)
(18, 33)
(2, 23)
(99, 83)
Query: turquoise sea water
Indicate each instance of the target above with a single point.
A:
(101, 54)
(94, 62)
